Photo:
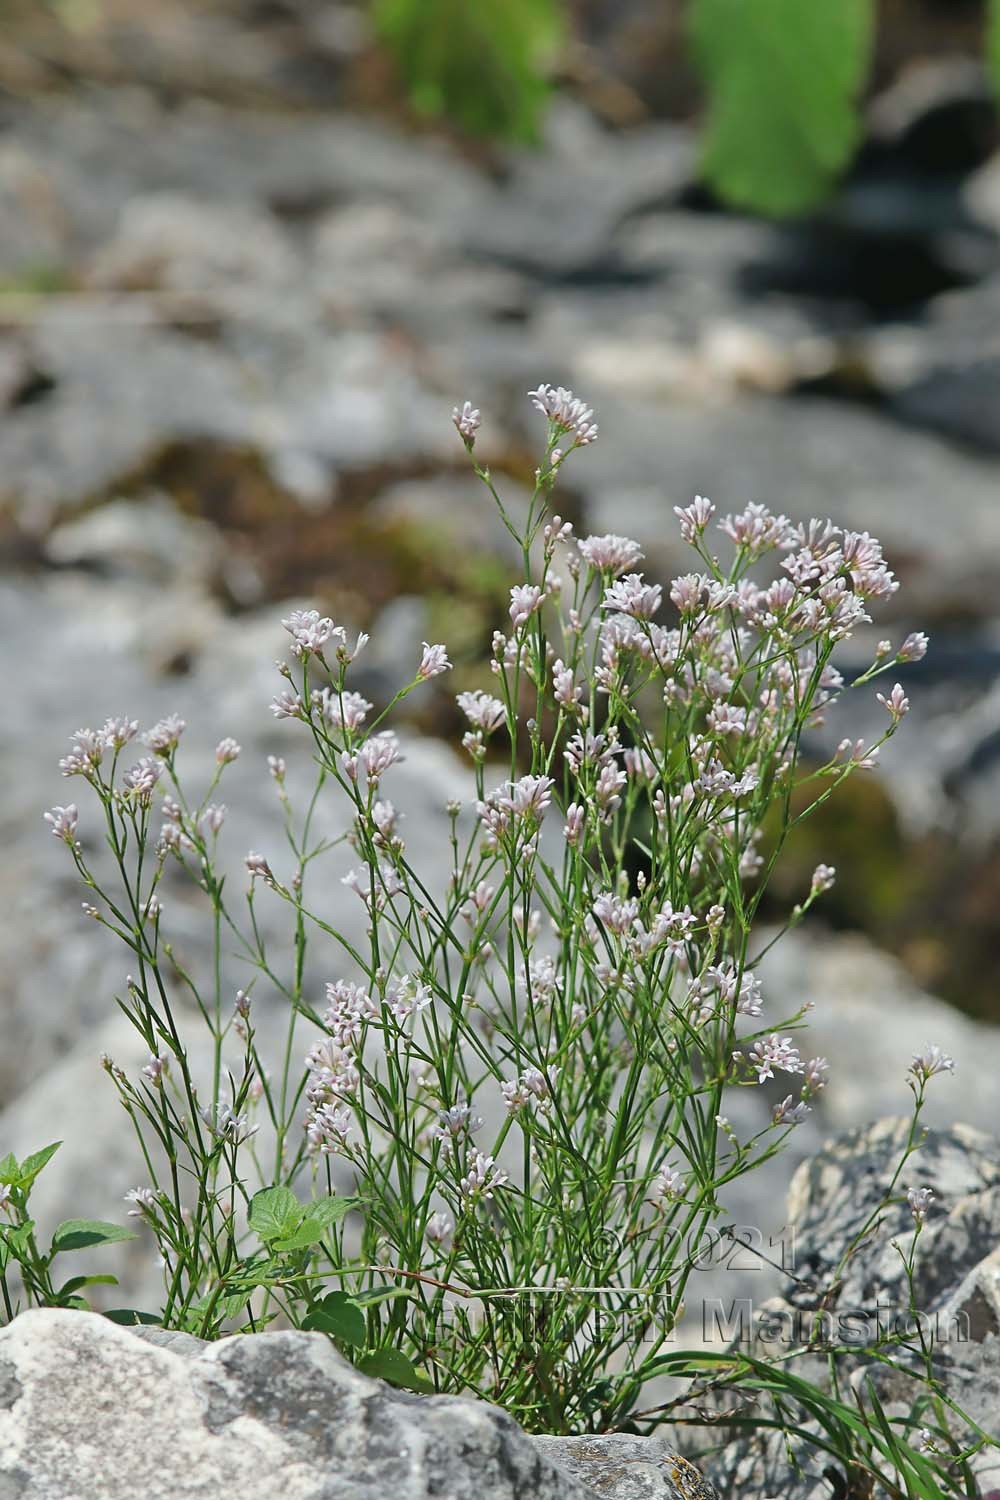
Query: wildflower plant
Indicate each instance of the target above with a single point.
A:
(486, 1152)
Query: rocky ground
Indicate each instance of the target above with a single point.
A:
(237, 305)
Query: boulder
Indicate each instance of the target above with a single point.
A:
(86, 1408)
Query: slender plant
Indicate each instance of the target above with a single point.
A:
(489, 1149)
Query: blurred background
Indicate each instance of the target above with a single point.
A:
(253, 251)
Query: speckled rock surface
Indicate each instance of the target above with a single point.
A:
(87, 1409)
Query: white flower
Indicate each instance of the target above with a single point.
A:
(116, 733)
(790, 1112)
(342, 710)
(227, 1125)
(896, 705)
(525, 600)
(327, 1128)
(311, 632)
(433, 662)
(142, 778)
(816, 1070)
(668, 1185)
(439, 1228)
(631, 596)
(467, 421)
(566, 413)
(483, 712)
(155, 1069)
(824, 877)
(63, 821)
(775, 1052)
(144, 1199)
(610, 554)
(482, 1178)
(932, 1060)
(914, 648)
(920, 1200)
(227, 750)
(86, 754)
(257, 865)
(288, 705)
(694, 518)
(165, 736)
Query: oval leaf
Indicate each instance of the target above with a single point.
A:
(274, 1212)
(392, 1365)
(784, 79)
(327, 1211)
(339, 1316)
(77, 1234)
(308, 1233)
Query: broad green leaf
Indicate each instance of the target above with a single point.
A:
(9, 1169)
(77, 1234)
(784, 77)
(393, 1365)
(76, 1282)
(340, 1316)
(327, 1211)
(274, 1212)
(130, 1316)
(482, 64)
(309, 1232)
(33, 1164)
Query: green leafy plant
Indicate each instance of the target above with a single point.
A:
(483, 65)
(784, 80)
(18, 1242)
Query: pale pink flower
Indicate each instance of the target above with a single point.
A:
(64, 821)
(467, 422)
(632, 596)
(694, 518)
(482, 1178)
(929, 1062)
(226, 751)
(896, 704)
(566, 412)
(433, 662)
(164, 736)
(610, 554)
(311, 632)
(439, 1228)
(482, 711)
(790, 1111)
(824, 878)
(914, 648)
(667, 1186)
(920, 1200)
(525, 600)
(774, 1052)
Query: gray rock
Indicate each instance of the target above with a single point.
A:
(832, 1198)
(87, 1409)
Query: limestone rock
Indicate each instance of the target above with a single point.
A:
(88, 1409)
